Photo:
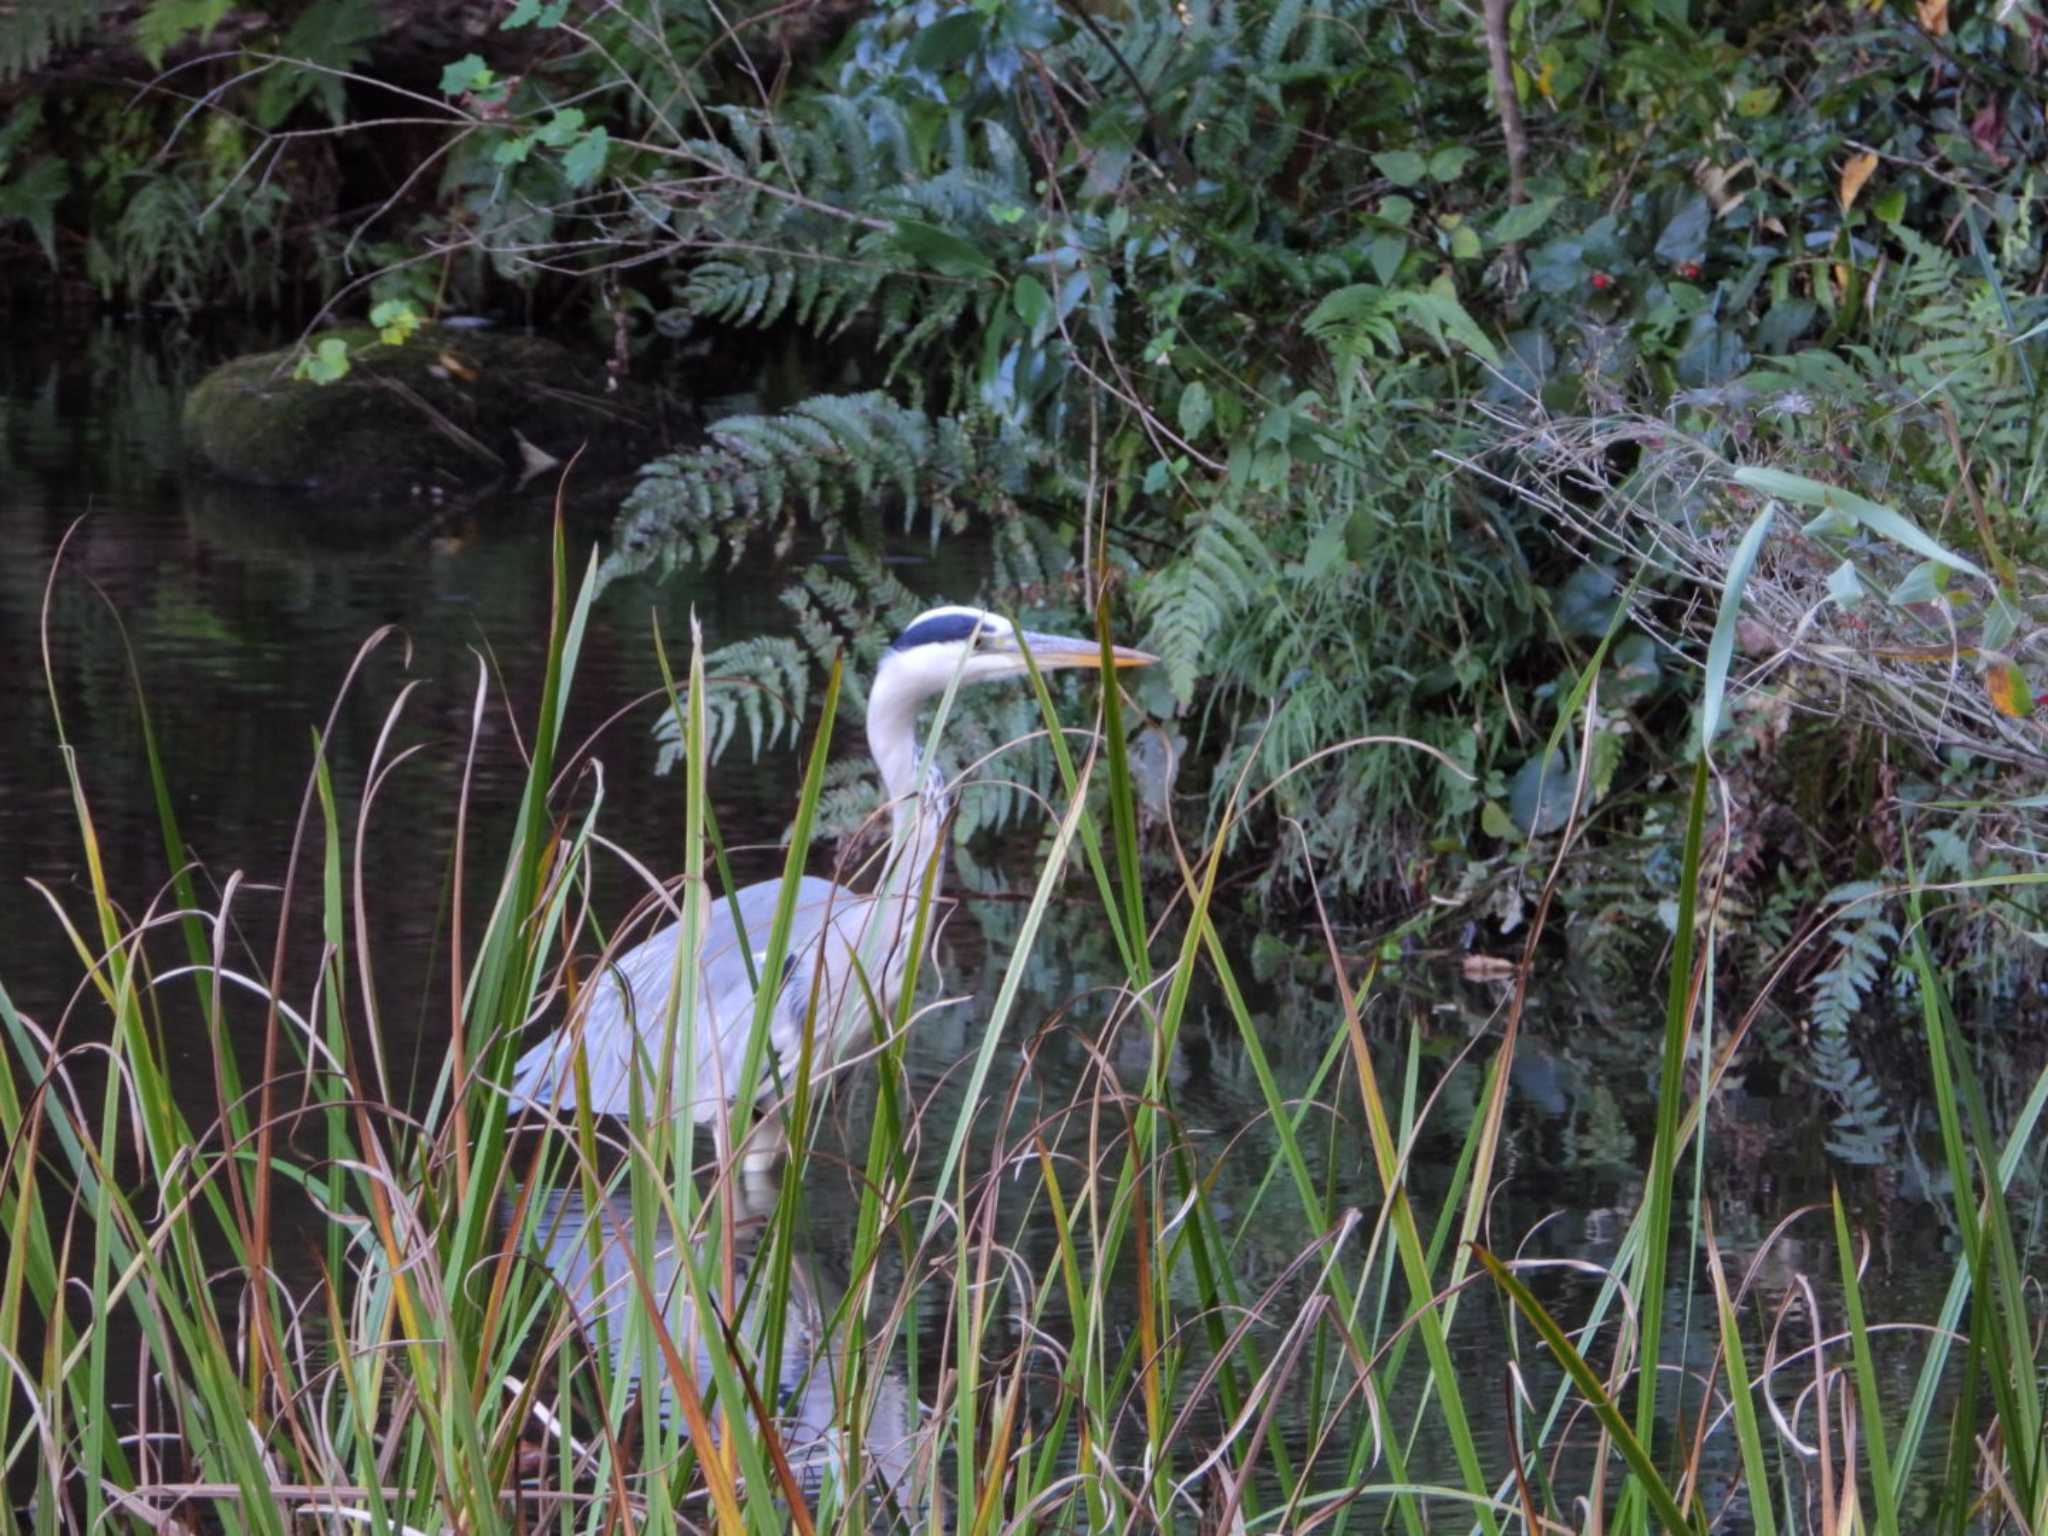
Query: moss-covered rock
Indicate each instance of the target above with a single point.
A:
(445, 412)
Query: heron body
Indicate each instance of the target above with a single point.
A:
(844, 947)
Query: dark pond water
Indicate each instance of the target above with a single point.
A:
(243, 628)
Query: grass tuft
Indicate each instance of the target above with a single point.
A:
(969, 1306)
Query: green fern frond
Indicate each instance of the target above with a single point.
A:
(826, 256)
(1863, 1127)
(734, 293)
(1280, 29)
(953, 197)
(1188, 602)
(830, 456)
(765, 682)
(32, 197)
(849, 802)
(1358, 320)
(30, 30)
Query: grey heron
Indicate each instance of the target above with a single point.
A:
(842, 943)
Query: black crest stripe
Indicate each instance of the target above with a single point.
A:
(938, 631)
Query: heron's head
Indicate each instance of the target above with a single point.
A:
(977, 645)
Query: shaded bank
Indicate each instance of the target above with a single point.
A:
(447, 413)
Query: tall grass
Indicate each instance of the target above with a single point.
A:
(1034, 1314)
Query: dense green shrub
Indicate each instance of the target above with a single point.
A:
(1228, 306)
(1228, 309)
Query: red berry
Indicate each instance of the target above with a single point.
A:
(1602, 282)
(1688, 269)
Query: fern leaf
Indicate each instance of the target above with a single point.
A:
(1224, 567)
(1280, 29)
(1356, 321)
(828, 456)
(764, 681)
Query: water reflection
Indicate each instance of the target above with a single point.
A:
(847, 1432)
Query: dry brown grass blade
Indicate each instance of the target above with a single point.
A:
(1531, 1520)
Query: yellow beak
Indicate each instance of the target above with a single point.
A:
(1060, 651)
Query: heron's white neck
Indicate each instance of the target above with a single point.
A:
(918, 802)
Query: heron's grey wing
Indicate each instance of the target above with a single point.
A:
(623, 1015)
(863, 952)
(617, 1024)
(817, 903)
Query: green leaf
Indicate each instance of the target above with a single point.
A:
(1449, 163)
(1357, 319)
(468, 73)
(1712, 353)
(2007, 686)
(1033, 28)
(513, 151)
(1195, 409)
(1845, 586)
(584, 162)
(168, 23)
(1465, 243)
(1602, 760)
(1890, 206)
(1923, 584)
(1585, 604)
(1072, 291)
(396, 320)
(1684, 238)
(1559, 266)
(1361, 536)
(1831, 524)
(1439, 312)
(1327, 549)
(2001, 623)
(1403, 167)
(1523, 220)
(941, 250)
(1721, 649)
(1785, 322)
(18, 127)
(1540, 795)
(948, 40)
(334, 36)
(1593, 1392)
(559, 130)
(1386, 255)
(1032, 304)
(1757, 101)
(1880, 520)
(534, 13)
(1495, 822)
(327, 362)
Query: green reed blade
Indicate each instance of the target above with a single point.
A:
(1594, 1393)
(1867, 1389)
(1742, 1400)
